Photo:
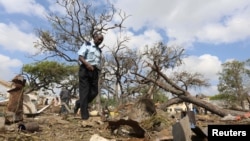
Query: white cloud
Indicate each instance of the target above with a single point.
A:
(148, 37)
(184, 22)
(6, 66)
(6, 69)
(234, 29)
(27, 7)
(208, 66)
(214, 21)
(208, 91)
(12, 39)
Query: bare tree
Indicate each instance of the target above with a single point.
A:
(78, 24)
(157, 61)
(117, 77)
(118, 66)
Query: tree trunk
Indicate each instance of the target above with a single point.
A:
(98, 97)
(208, 106)
(242, 105)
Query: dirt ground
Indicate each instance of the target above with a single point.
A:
(54, 127)
(50, 126)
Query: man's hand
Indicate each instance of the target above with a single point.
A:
(89, 67)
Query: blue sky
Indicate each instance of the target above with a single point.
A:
(211, 31)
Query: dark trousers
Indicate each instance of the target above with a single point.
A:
(63, 108)
(88, 89)
(77, 106)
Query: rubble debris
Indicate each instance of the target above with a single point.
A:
(28, 127)
(144, 108)
(229, 117)
(2, 124)
(86, 123)
(163, 135)
(94, 113)
(138, 131)
(182, 130)
(28, 106)
(202, 133)
(97, 137)
(15, 103)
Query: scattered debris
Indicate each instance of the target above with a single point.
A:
(2, 124)
(28, 127)
(138, 131)
(97, 137)
(229, 117)
(182, 130)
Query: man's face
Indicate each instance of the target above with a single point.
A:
(98, 39)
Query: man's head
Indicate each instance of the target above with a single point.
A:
(98, 38)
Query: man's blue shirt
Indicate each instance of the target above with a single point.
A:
(91, 53)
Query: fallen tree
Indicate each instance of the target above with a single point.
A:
(204, 104)
(159, 60)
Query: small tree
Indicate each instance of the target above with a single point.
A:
(232, 84)
(50, 74)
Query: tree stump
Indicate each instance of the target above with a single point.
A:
(143, 109)
(14, 108)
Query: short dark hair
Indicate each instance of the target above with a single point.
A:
(97, 34)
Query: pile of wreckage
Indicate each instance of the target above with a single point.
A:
(18, 104)
(142, 120)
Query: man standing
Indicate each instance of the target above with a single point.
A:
(65, 98)
(90, 60)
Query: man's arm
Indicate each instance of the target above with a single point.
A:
(84, 62)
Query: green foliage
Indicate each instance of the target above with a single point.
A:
(108, 101)
(226, 97)
(151, 122)
(46, 71)
(160, 97)
(47, 74)
(230, 79)
(231, 82)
